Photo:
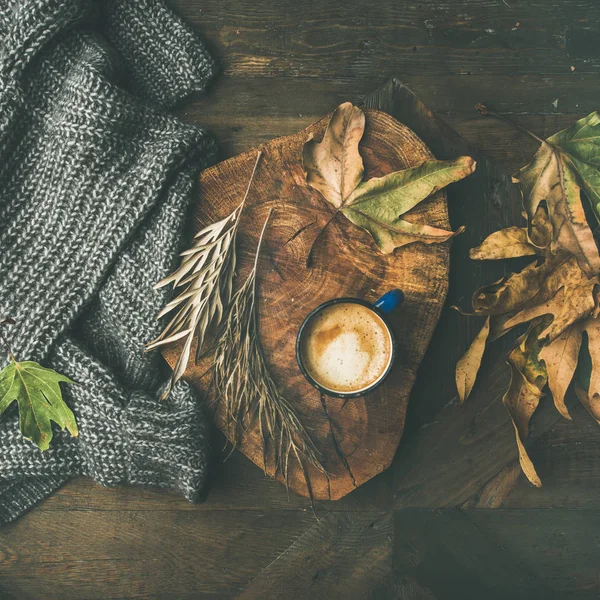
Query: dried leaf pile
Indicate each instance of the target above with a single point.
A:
(334, 167)
(557, 294)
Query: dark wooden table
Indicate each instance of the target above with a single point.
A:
(453, 518)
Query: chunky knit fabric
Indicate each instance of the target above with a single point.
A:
(95, 184)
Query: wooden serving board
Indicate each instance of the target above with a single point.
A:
(361, 436)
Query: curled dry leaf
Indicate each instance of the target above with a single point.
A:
(528, 378)
(592, 405)
(588, 395)
(560, 357)
(335, 168)
(468, 365)
(506, 243)
(592, 328)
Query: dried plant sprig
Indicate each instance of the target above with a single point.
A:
(244, 384)
(206, 273)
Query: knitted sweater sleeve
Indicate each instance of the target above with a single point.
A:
(96, 184)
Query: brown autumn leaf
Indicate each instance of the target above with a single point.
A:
(592, 405)
(468, 365)
(506, 243)
(335, 168)
(572, 301)
(528, 378)
(553, 284)
(592, 327)
(560, 357)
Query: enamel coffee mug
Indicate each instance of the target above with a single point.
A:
(346, 347)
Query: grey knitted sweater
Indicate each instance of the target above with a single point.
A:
(95, 183)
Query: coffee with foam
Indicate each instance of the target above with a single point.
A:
(346, 347)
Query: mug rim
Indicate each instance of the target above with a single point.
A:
(316, 384)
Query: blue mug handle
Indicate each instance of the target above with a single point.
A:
(390, 301)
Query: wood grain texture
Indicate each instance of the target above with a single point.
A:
(366, 431)
(283, 65)
(342, 555)
(357, 38)
(140, 554)
(499, 554)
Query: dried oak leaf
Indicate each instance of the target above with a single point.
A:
(560, 357)
(335, 168)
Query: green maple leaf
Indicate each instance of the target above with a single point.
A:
(377, 205)
(565, 164)
(580, 144)
(39, 397)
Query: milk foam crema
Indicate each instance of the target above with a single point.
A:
(346, 347)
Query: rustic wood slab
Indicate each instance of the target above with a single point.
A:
(360, 438)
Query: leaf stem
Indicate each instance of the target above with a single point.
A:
(484, 110)
(260, 241)
(258, 157)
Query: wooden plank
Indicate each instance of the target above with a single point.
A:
(399, 587)
(235, 99)
(567, 459)
(445, 552)
(245, 111)
(340, 556)
(567, 456)
(354, 39)
(91, 554)
(448, 462)
(561, 547)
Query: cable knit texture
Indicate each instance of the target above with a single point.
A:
(95, 182)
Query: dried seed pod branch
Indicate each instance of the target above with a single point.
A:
(244, 384)
(206, 273)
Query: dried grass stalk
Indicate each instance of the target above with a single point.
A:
(206, 275)
(245, 386)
